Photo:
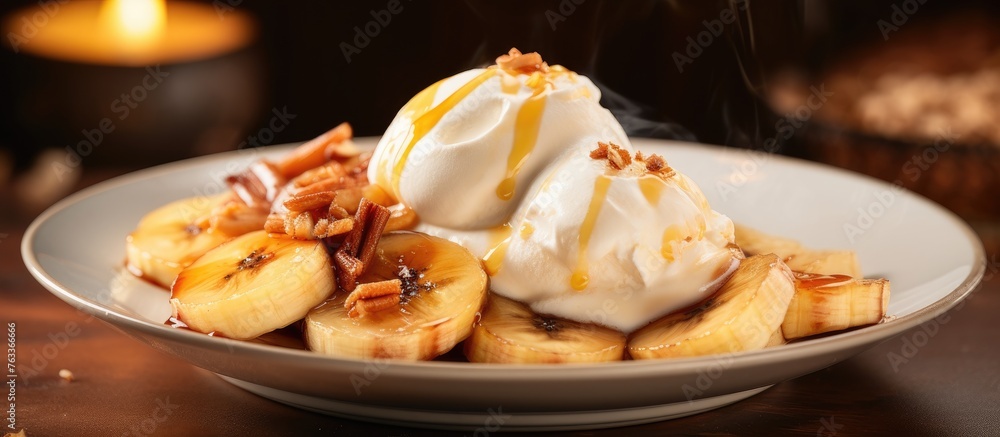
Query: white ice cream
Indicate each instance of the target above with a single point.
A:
(654, 244)
(472, 149)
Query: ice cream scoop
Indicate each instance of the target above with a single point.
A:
(520, 164)
(613, 244)
(463, 151)
(613, 240)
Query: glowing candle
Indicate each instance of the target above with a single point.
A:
(127, 32)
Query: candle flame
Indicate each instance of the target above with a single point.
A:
(137, 21)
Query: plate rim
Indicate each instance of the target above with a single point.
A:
(867, 336)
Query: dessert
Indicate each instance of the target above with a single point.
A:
(169, 239)
(485, 134)
(504, 214)
(510, 332)
(435, 290)
(743, 315)
(796, 256)
(825, 303)
(554, 199)
(251, 285)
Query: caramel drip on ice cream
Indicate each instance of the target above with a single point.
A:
(581, 276)
(425, 122)
(526, 230)
(651, 187)
(422, 102)
(526, 126)
(672, 234)
(416, 107)
(499, 240)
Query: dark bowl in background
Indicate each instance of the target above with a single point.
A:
(136, 115)
(853, 46)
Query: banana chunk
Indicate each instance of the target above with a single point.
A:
(251, 285)
(168, 239)
(510, 332)
(743, 315)
(797, 257)
(443, 288)
(824, 303)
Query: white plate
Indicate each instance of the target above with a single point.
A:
(77, 247)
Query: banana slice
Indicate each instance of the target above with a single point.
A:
(824, 303)
(741, 316)
(797, 257)
(510, 332)
(777, 339)
(169, 238)
(443, 285)
(251, 285)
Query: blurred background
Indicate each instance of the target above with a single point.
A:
(906, 90)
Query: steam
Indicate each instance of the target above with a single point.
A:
(640, 120)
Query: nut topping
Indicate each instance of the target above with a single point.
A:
(358, 249)
(306, 202)
(523, 63)
(373, 297)
(619, 159)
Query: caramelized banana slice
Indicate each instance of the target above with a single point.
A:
(797, 257)
(441, 286)
(743, 315)
(171, 237)
(509, 332)
(251, 285)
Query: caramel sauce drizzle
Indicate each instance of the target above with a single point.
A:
(417, 106)
(581, 277)
(651, 187)
(671, 234)
(430, 118)
(526, 230)
(526, 127)
(499, 240)
(811, 280)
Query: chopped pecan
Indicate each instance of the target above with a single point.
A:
(275, 224)
(330, 184)
(360, 243)
(307, 202)
(617, 157)
(337, 212)
(378, 216)
(331, 171)
(300, 226)
(657, 165)
(315, 152)
(373, 297)
(525, 63)
(347, 265)
(601, 152)
(326, 228)
(258, 185)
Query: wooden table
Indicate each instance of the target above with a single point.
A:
(949, 386)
